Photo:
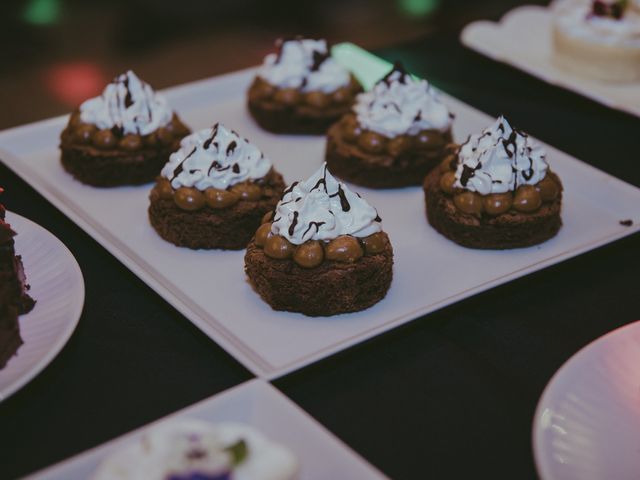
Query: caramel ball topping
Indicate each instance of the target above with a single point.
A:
(468, 202)
(448, 163)
(189, 199)
(287, 96)
(371, 142)
(548, 188)
(278, 247)
(527, 199)
(317, 99)
(497, 203)
(164, 189)
(130, 142)
(74, 120)
(350, 128)
(263, 233)
(341, 95)
(375, 243)
(178, 127)
(220, 199)
(446, 181)
(345, 248)
(104, 139)
(267, 217)
(83, 133)
(309, 255)
(151, 139)
(247, 191)
(398, 145)
(164, 135)
(429, 139)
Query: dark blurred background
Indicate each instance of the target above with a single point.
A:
(56, 53)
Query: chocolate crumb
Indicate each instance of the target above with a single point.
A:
(626, 223)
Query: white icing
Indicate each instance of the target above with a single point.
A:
(314, 210)
(127, 103)
(575, 19)
(193, 446)
(399, 104)
(499, 160)
(215, 157)
(293, 67)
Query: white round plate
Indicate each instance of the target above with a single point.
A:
(58, 288)
(587, 424)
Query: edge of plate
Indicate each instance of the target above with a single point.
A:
(536, 430)
(469, 37)
(66, 333)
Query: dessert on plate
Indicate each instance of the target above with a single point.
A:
(214, 191)
(122, 137)
(301, 89)
(395, 134)
(192, 449)
(598, 39)
(14, 299)
(321, 252)
(495, 191)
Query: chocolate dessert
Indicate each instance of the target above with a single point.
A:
(123, 137)
(301, 89)
(495, 191)
(321, 252)
(394, 136)
(214, 191)
(14, 299)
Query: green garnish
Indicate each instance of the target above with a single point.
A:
(238, 452)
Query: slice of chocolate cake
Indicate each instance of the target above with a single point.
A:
(13, 292)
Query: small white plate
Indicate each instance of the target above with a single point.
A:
(523, 40)
(58, 288)
(320, 454)
(587, 424)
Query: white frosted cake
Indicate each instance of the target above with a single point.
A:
(197, 450)
(598, 39)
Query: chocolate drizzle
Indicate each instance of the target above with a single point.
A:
(178, 170)
(467, 173)
(318, 59)
(207, 142)
(231, 148)
(344, 203)
(294, 222)
(311, 225)
(398, 68)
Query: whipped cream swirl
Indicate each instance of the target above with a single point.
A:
(498, 160)
(195, 449)
(127, 105)
(304, 64)
(215, 157)
(322, 209)
(576, 18)
(399, 105)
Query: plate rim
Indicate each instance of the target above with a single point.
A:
(70, 327)
(542, 466)
(468, 37)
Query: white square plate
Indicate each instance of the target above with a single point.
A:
(522, 39)
(256, 404)
(210, 287)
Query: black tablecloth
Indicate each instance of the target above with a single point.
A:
(449, 395)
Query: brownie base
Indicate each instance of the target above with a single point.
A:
(508, 230)
(298, 119)
(230, 228)
(111, 168)
(349, 162)
(10, 340)
(329, 289)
